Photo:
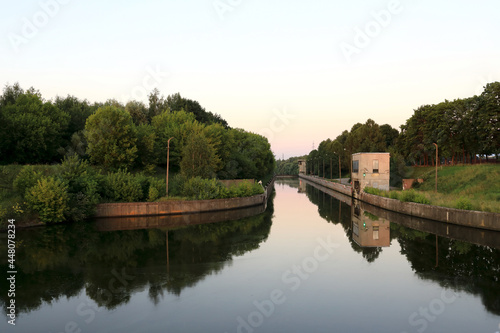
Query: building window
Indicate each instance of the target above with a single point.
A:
(355, 166)
(375, 166)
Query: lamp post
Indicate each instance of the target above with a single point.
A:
(168, 159)
(435, 144)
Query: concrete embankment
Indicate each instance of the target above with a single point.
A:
(344, 189)
(474, 219)
(174, 207)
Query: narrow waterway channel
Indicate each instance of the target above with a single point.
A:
(309, 263)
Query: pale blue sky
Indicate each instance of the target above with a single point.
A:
(258, 61)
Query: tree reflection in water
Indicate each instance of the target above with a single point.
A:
(451, 263)
(64, 260)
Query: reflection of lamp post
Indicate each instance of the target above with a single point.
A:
(168, 258)
(168, 159)
(435, 144)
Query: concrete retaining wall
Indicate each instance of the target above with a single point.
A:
(181, 206)
(468, 218)
(477, 236)
(347, 190)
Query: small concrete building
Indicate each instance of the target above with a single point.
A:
(302, 167)
(372, 170)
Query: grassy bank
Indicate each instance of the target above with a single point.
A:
(472, 187)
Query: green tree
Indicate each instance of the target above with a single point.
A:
(489, 126)
(31, 130)
(139, 112)
(146, 155)
(199, 158)
(48, 198)
(83, 187)
(181, 126)
(111, 137)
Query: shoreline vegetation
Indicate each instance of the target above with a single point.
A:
(467, 187)
(60, 158)
(463, 133)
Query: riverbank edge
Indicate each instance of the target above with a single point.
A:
(468, 218)
(177, 207)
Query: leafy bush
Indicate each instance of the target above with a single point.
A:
(176, 184)
(48, 198)
(464, 203)
(405, 196)
(413, 196)
(27, 178)
(121, 186)
(244, 189)
(376, 191)
(394, 195)
(198, 188)
(84, 187)
(156, 189)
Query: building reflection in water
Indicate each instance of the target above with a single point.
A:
(302, 186)
(369, 230)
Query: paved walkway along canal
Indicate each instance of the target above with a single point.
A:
(311, 262)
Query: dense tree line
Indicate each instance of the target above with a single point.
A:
(132, 136)
(288, 167)
(464, 129)
(367, 137)
(77, 154)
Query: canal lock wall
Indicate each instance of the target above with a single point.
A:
(474, 219)
(133, 209)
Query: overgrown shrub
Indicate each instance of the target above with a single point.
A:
(405, 196)
(394, 195)
(27, 178)
(121, 186)
(198, 188)
(244, 189)
(464, 203)
(376, 191)
(84, 187)
(176, 184)
(156, 190)
(48, 198)
(413, 196)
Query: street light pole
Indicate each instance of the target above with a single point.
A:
(435, 144)
(168, 159)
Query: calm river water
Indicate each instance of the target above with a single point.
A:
(309, 263)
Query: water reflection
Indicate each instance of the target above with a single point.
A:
(460, 258)
(369, 230)
(110, 263)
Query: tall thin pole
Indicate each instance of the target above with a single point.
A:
(435, 144)
(168, 159)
